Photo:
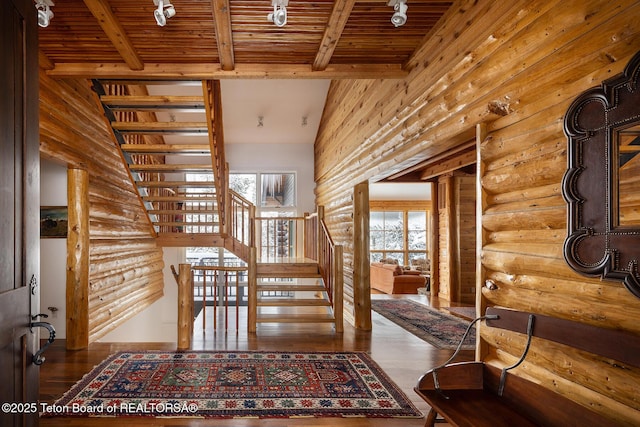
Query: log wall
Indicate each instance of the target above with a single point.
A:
(125, 265)
(465, 202)
(530, 59)
(447, 266)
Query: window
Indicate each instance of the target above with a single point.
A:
(244, 184)
(400, 234)
(274, 196)
(278, 190)
(416, 234)
(387, 235)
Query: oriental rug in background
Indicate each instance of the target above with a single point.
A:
(236, 384)
(435, 327)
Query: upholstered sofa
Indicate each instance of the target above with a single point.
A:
(393, 279)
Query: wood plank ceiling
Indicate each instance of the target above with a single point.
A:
(212, 39)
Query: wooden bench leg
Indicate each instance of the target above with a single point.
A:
(431, 418)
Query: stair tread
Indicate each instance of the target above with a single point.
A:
(281, 270)
(295, 318)
(166, 148)
(177, 184)
(278, 302)
(301, 288)
(146, 102)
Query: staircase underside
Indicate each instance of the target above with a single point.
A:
(165, 137)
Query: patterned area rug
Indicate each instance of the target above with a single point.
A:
(236, 384)
(435, 327)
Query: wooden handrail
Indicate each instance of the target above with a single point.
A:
(213, 108)
(330, 264)
(241, 220)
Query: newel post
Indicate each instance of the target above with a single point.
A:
(338, 288)
(185, 307)
(252, 317)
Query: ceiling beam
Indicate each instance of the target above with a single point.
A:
(332, 33)
(224, 37)
(428, 164)
(112, 28)
(213, 71)
(449, 165)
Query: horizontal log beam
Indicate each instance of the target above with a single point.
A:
(214, 71)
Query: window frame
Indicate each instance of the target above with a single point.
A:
(404, 207)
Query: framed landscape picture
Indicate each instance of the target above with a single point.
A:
(53, 221)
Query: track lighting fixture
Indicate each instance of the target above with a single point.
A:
(164, 11)
(400, 7)
(279, 14)
(44, 12)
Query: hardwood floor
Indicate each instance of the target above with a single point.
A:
(403, 356)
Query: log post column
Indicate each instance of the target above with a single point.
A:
(77, 298)
(185, 307)
(361, 264)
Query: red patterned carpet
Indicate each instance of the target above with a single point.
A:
(235, 384)
(440, 329)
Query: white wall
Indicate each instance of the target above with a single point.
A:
(400, 191)
(296, 158)
(53, 252)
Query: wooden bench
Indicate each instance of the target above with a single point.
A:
(477, 394)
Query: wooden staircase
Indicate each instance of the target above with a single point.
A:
(202, 211)
(300, 294)
(181, 211)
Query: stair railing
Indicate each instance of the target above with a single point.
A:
(306, 237)
(280, 238)
(330, 265)
(320, 247)
(240, 224)
(311, 224)
(220, 284)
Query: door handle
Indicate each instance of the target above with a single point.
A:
(37, 358)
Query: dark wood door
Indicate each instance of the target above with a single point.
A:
(19, 211)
